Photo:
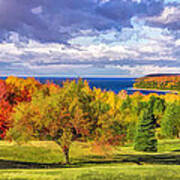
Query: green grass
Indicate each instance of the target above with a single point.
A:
(44, 160)
(39, 152)
(110, 172)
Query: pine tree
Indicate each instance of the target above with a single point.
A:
(170, 122)
(145, 139)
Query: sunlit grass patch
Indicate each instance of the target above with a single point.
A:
(102, 172)
(86, 163)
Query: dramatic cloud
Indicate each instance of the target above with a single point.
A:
(60, 20)
(144, 70)
(170, 18)
(89, 37)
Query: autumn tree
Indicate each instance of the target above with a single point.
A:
(110, 127)
(7, 101)
(61, 117)
(14, 90)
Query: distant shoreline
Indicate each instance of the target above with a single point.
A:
(156, 90)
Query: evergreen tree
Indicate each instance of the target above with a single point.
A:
(170, 122)
(145, 139)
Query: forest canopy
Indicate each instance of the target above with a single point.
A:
(30, 110)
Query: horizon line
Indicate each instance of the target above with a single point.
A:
(74, 76)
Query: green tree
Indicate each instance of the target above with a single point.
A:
(145, 139)
(170, 122)
(159, 107)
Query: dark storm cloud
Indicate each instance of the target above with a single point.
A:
(60, 20)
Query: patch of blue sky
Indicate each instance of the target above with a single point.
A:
(139, 34)
(172, 1)
(83, 40)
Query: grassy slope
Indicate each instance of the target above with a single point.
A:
(40, 160)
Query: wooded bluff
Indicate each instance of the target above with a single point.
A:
(159, 81)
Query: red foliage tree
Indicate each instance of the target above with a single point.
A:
(12, 91)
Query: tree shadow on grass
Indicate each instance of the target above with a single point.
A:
(166, 159)
(10, 164)
(139, 159)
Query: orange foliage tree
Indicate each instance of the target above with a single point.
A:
(13, 91)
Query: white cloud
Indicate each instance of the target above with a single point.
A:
(147, 48)
(171, 14)
(37, 10)
(177, 43)
(146, 44)
(138, 1)
(147, 69)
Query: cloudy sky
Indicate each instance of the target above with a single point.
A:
(89, 37)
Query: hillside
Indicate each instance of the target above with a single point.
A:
(159, 81)
(160, 75)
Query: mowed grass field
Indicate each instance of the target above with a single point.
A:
(44, 160)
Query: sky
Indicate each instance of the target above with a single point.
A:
(89, 38)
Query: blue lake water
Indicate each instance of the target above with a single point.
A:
(112, 84)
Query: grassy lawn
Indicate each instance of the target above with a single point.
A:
(103, 172)
(44, 160)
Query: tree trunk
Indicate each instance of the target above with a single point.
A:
(65, 150)
(66, 153)
(178, 134)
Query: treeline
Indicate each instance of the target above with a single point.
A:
(30, 110)
(165, 82)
